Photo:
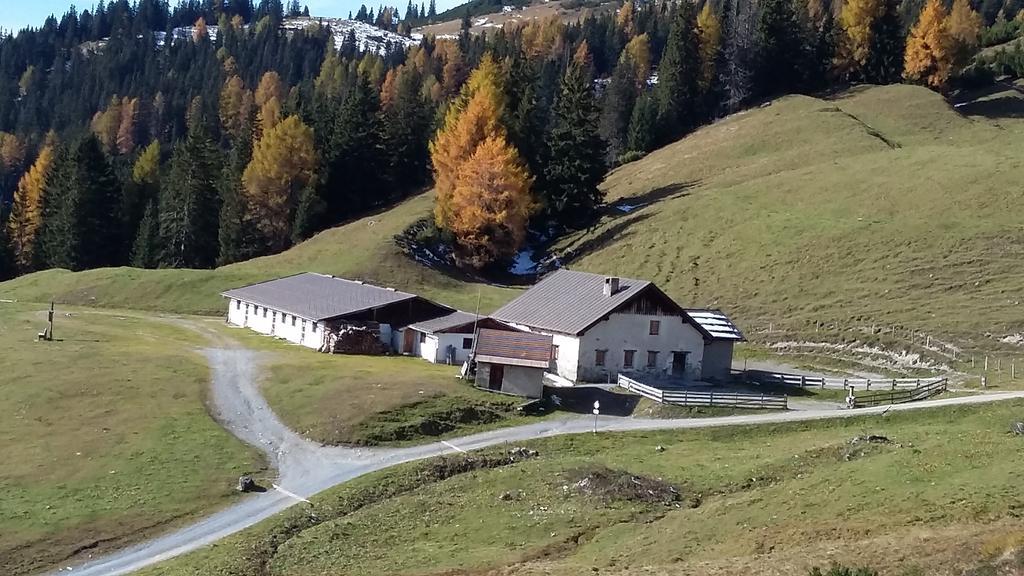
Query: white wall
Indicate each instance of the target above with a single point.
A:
(622, 332)
(434, 346)
(567, 364)
(279, 326)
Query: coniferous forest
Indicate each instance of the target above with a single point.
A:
(200, 134)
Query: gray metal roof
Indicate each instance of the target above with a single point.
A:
(716, 324)
(567, 301)
(514, 348)
(453, 320)
(317, 296)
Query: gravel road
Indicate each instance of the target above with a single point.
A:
(306, 468)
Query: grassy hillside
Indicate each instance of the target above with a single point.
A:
(104, 437)
(883, 207)
(362, 250)
(941, 496)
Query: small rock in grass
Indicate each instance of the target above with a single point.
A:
(659, 448)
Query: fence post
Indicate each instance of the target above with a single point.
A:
(711, 398)
(845, 384)
(867, 386)
(986, 363)
(1013, 370)
(803, 384)
(972, 361)
(893, 383)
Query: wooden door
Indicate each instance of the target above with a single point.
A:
(407, 345)
(497, 375)
(679, 364)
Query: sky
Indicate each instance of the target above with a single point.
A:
(16, 14)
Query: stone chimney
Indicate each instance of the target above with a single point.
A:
(611, 286)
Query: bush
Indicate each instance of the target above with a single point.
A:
(999, 33)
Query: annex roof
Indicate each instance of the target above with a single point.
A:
(716, 325)
(513, 348)
(317, 296)
(569, 302)
(447, 322)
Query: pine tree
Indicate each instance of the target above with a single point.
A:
(26, 216)
(81, 220)
(492, 204)
(885, 62)
(929, 55)
(142, 190)
(619, 98)
(237, 237)
(357, 160)
(188, 205)
(526, 114)
(432, 11)
(677, 91)
(782, 56)
(406, 126)
(283, 164)
(576, 151)
(642, 133)
(146, 247)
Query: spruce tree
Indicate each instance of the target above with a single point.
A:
(236, 240)
(146, 247)
(81, 216)
(782, 56)
(357, 161)
(677, 92)
(642, 136)
(576, 163)
(189, 205)
(616, 110)
(526, 114)
(406, 129)
(885, 61)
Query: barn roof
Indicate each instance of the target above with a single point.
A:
(570, 302)
(446, 322)
(317, 296)
(715, 325)
(513, 348)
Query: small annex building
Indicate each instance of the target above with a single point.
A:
(512, 362)
(603, 325)
(326, 313)
(447, 339)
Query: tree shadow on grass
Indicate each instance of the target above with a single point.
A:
(669, 192)
(613, 232)
(995, 108)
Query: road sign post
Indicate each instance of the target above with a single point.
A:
(597, 411)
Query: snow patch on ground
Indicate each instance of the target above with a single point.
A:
(1015, 339)
(369, 38)
(627, 208)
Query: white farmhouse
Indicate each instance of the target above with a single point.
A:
(448, 339)
(314, 309)
(601, 326)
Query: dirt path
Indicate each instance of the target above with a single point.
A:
(306, 468)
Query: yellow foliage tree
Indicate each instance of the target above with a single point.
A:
(283, 163)
(474, 117)
(625, 19)
(199, 31)
(268, 98)
(639, 49)
(12, 153)
(27, 210)
(857, 20)
(236, 106)
(492, 204)
(105, 125)
(710, 43)
(126, 131)
(929, 55)
(964, 28)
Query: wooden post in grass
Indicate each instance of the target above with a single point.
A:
(1013, 370)
(986, 363)
(49, 323)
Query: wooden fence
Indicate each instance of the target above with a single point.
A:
(894, 396)
(687, 397)
(782, 379)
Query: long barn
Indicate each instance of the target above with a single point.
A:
(318, 310)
